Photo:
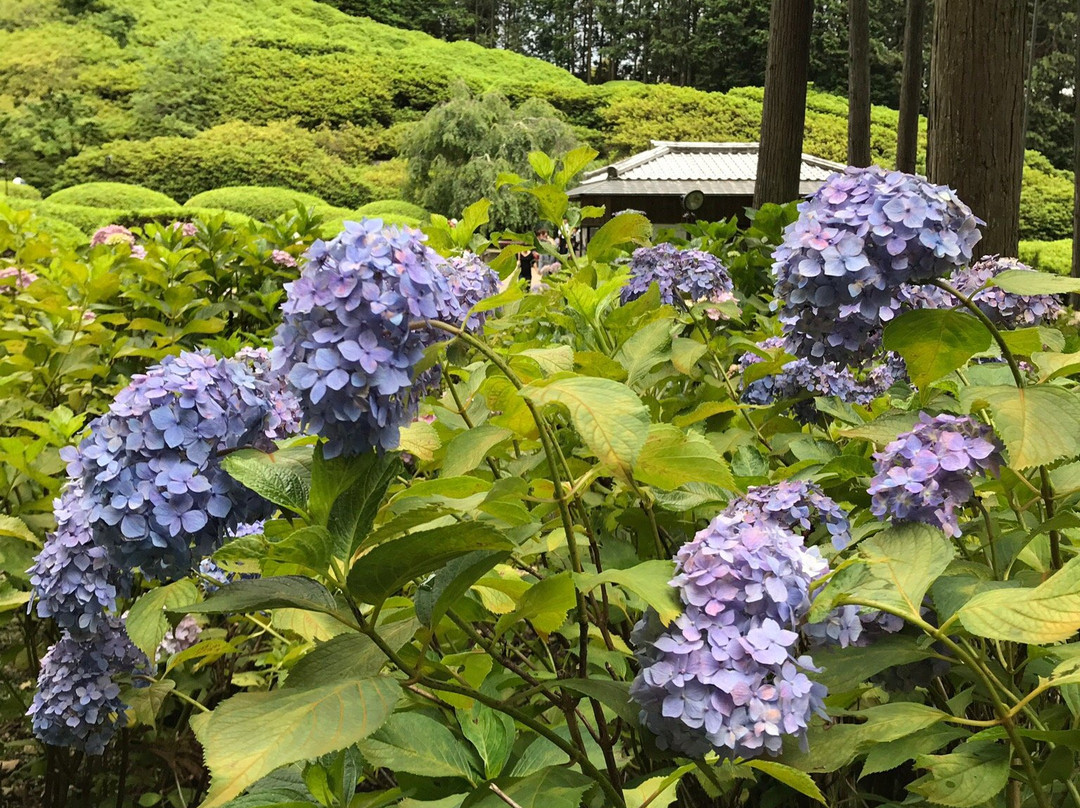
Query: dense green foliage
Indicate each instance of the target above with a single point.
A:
(392, 207)
(110, 195)
(256, 201)
(461, 617)
(1051, 256)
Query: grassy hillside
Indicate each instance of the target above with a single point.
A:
(183, 96)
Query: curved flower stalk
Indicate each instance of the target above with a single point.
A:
(842, 270)
(726, 676)
(925, 474)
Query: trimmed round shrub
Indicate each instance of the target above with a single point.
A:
(84, 217)
(387, 179)
(110, 195)
(277, 155)
(392, 208)
(21, 191)
(1050, 256)
(178, 213)
(254, 200)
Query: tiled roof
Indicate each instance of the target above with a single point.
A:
(675, 167)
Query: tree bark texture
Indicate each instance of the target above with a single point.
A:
(784, 107)
(1076, 158)
(907, 134)
(976, 137)
(858, 142)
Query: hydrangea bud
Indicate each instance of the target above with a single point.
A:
(77, 703)
(690, 276)
(925, 474)
(150, 467)
(726, 676)
(346, 341)
(842, 269)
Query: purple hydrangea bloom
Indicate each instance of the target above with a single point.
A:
(471, 280)
(14, 279)
(797, 505)
(726, 676)
(1005, 309)
(842, 270)
(150, 466)
(117, 234)
(852, 625)
(179, 638)
(77, 703)
(74, 582)
(925, 474)
(282, 258)
(347, 342)
(692, 276)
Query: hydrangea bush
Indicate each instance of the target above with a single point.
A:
(601, 558)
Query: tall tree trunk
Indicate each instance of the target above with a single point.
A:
(907, 134)
(784, 107)
(977, 111)
(1076, 159)
(858, 140)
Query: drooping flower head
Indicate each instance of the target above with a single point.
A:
(725, 675)
(347, 342)
(77, 702)
(925, 474)
(1005, 309)
(844, 263)
(150, 468)
(691, 276)
(117, 234)
(74, 581)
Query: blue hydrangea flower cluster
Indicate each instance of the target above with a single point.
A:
(346, 341)
(851, 625)
(1005, 309)
(150, 467)
(73, 580)
(801, 376)
(77, 703)
(842, 268)
(685, 275)
(725, 676)
(471, 280)
(925, 474)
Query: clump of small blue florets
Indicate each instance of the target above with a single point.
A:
(471, 280)
(77, 702)
(925, 474)
(1005, 309)
(688, 276)
(801, 376)
(150, 468)
(843, 268)
(347, 341)
(726, 675)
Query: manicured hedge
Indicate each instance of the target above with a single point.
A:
(393, 207)
(256, 201)
(19, 191)
(1051, 256)
(110, 195)
(279, 155)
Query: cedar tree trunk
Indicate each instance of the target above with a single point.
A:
(976, 133)
(907, 134)
(784, 108)
(858, 140)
